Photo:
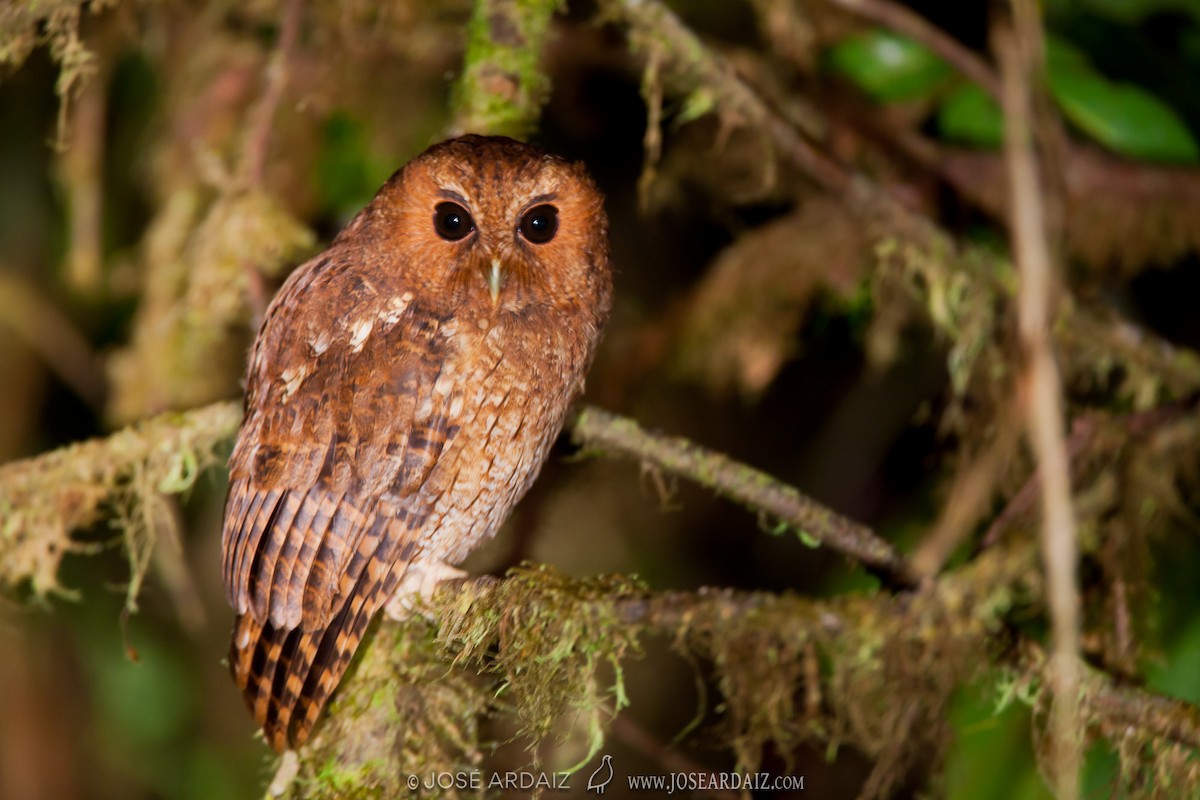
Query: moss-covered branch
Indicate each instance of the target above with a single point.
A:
(64, 489)
(44, 499)
(600, 430)
(962, 289)
(502, 89)
(791, 670)
(538, 645)
(548, 646)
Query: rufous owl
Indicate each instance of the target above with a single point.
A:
(402, 394)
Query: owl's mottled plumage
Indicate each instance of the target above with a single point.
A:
(402, 394)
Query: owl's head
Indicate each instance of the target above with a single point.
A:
(499, 224)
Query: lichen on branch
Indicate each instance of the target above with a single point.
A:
(502, 89)
(44, 500)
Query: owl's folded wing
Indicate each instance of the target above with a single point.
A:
(346, 419)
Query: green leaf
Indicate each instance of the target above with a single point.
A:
(1178, 675)
(1124, 118)
(970, 115)
(888, 67)
(1061, 53)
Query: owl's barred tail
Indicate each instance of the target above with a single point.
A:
(287, 676)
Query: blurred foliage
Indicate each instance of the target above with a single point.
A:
(970, 116)
(851, 353)
(889, 67)
(1124, 118)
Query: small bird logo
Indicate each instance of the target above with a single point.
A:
(603, 776)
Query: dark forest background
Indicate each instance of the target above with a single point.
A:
(839, 313)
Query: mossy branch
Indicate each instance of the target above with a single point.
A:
(545, 639)
(44, 499)
(62, 490)
(532, 644)
(536, 644)
(960, 287)
(502, 89)
(758, 491)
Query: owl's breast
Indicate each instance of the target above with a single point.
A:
(513, 385)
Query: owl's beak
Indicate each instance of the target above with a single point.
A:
(495, 278)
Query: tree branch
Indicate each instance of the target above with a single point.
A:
(43, 499)
(501, 91)
(751, 487)
(258, 136)
(1041, 389)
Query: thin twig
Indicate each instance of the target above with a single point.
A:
(966, 503)
(904, 21)
(652, 94)
(53, 336)
(258, 138)
(746, 485)
(1023, 503)
(1021, 58)
(81, 171)
(687, 65)
(638, 738)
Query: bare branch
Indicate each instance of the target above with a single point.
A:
(258, 137)
(53, 336)
(1041, 388)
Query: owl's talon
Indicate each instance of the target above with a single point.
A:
(285, 775)
(420, 581)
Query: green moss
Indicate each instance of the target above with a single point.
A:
(53, 23)
(400, 712)
(128, 473)
(547, 637)
(502, 90)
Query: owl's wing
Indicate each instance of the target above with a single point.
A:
(287, 675)
(346, 419)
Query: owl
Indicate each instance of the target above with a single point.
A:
(401, 396)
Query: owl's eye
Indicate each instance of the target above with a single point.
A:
(539, 224)
(452, 222)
